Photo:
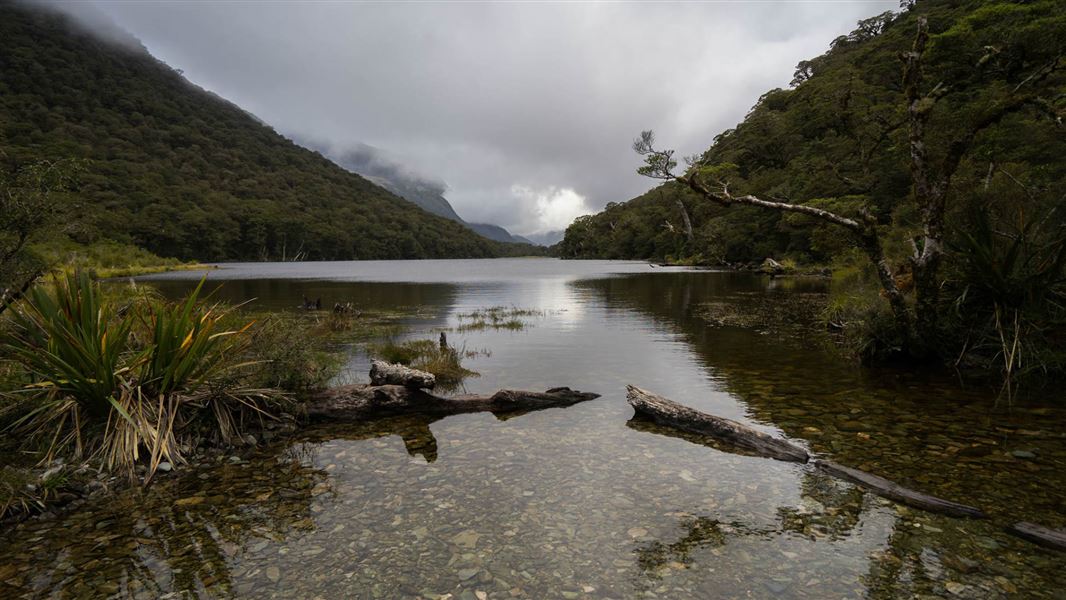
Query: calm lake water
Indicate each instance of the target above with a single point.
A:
(580, 502)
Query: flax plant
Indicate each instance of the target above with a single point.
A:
(133, 386)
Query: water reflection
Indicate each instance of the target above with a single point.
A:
(186, 534)
(585, 502)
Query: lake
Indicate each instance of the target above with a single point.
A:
(580, 502)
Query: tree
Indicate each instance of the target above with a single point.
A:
(982, 96)
(28, 205)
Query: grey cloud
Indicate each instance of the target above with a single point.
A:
(377, 164)
(504, 102)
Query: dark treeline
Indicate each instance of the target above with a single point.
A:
(179, 171)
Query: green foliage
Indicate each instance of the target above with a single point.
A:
(857, 315)
(125, 381)
(994, 94)
(187, 348)
(839, 137)
(103, 258)
(72, 343)
(183, 173)
(290, 355)
(1009, 289)
(29, 201)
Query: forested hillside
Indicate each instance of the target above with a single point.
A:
(183, 173)
(838, 139)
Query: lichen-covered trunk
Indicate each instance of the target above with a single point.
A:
(870, 243)
(685, 220)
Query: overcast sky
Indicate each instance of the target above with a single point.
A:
(526, 110)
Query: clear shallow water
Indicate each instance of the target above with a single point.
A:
(578, 502)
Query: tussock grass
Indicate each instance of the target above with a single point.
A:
(130, 383)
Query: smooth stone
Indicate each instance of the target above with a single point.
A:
(776, 587)
(955, 587)
(466, 539)
(465, 574)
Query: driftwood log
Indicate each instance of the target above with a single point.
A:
(359, 402)
(1049, 538)
(383, 373)
(893, 491)
(668, 412)
(671, 414)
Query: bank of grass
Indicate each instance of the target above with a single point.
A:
(106, 259)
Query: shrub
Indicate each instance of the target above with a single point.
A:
(1009, 290)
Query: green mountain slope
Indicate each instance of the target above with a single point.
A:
(838, 139)
(183, 173)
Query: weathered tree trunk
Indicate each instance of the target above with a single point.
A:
(685, 220)
(1049, 538)
(870, 242)
(359, 402)
(383, 373)
(893, 491)
(671, 414)
(668, 412)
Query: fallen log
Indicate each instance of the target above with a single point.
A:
(671, 414)
(359, 402)
(639, 423)
(1037, 534)
(893, 491)
(668, 412)
(383, 373)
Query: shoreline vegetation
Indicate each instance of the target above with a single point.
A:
(104, 385)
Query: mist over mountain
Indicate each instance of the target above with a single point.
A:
(548, 238)
(428, 193)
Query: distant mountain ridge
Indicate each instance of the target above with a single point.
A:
(369, 162)
(181, 172)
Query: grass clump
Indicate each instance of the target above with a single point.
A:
(130, 383)
(293, 354)
(496, 318)
(444, 362)
(27, 491)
